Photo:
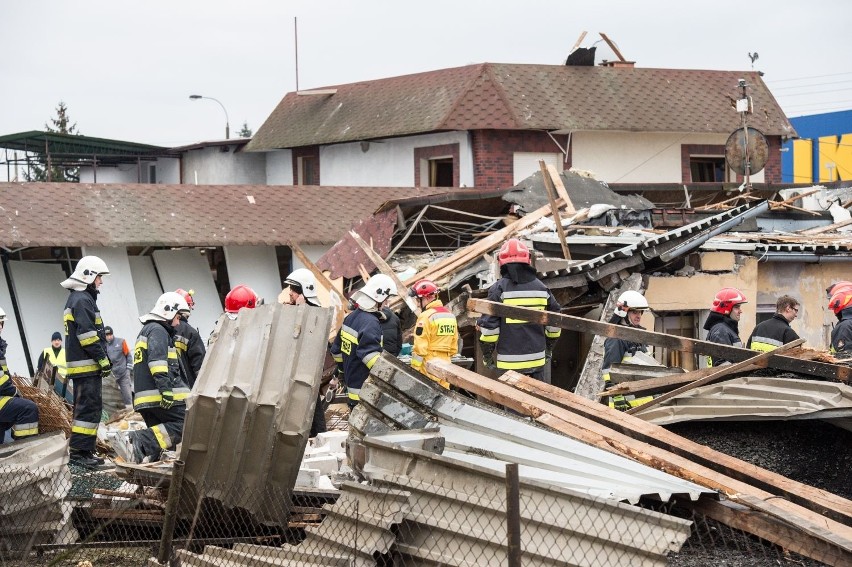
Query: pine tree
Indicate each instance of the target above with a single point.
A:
(245, 131)
(41, 170)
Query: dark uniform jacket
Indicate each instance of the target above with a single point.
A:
(7, 387)
(357, 347)
(190, 349)
(771, 334)
(724, 331)
(391, 332)
(841, 335)
(156, 368)
(85, 342)
(520, 344)
(617, 351)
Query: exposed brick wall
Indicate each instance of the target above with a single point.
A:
(432, 152)
(772, 170)
(493, 152)
(307, 151)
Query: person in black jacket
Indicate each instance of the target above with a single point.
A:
(17, 413)
(160, 389)
(723, 321)
(774, 332)
(628, 312)
(520, 345)
(841, 335)
(190, 347)
(391, 331)
(86, 359)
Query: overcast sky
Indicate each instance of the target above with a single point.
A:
(126, 69)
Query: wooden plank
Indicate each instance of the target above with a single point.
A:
(772, 528)
(578, 42)
(612, 46)
(818, 501)
(821, 229)
(554, 210)
(720, 372)
(386, 270)
(683, 344)
(560, 189)
(588, 431)
(326, 283)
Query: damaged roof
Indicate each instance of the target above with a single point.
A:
(520, 97)
(82, 214)
(584, 192)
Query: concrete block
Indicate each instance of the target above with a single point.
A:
(317, 451)
(327, 464)
(335, 440)
(308, 478)
(717, 262)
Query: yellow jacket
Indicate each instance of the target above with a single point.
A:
(436, 335)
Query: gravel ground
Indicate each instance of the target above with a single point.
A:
(810, 451)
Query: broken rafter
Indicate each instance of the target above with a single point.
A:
(554, 209)
(672, 342)
(386, 270)
(719, 373)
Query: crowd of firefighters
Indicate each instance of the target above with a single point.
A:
(168, 352)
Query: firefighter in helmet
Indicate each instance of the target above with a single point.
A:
(723, 322)
(628, 312)
(841, 336)
(436, 333)
(190, 347)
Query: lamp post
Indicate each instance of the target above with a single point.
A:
(227, 124)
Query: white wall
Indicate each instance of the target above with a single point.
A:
(279, 167)
(168, 171)
(632, 157)
(313, 251)
(256, 267)
(117, 298)
(389, 163)
(212, 166)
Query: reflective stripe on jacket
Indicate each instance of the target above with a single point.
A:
(7, 387)
(520, 344)
(841, 334)
(436, 335)
(771, 334)
(85, 343)
(723, 333)
(156, 368)
(357, 347)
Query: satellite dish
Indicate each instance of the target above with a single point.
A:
(746, 158)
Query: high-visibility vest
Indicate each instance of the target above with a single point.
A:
(57, 361)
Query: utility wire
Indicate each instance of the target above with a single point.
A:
(811, 77)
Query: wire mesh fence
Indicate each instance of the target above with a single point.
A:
(69, 516)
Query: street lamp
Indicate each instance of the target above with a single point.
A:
(227, 125)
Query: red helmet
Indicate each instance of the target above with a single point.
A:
(835, 287)
(239, 297)
(424, 288)
(513, 250)
(841, 299)
(187, 295)
(726, 298)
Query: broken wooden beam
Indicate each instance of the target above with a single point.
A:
(386, 270)
(720, 372)
(554, 209)
(673, 342)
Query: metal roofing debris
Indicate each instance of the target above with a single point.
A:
(249, 414)
(583, 191)
(35, 484)
(396, 397)
(754, 398)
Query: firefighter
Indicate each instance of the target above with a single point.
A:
(723, 321)
(359, 342)
(161, 391)
(240, 297)
(774, 332)
(87, 363)
(303, 291)
(436, 333)
(55, 355)
(520, 345)
(19, 414)
(841, 334)
(190, 347)
(628, 311)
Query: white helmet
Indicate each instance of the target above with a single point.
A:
(2, 315)
(375, 291)
(305, 280)
(630, 300)
(168, 305)
(87, 269)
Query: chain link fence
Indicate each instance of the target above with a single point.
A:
(77, 517)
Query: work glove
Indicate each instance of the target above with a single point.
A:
(620, 403)
(106, 367)
(167, 399)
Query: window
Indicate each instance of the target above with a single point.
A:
(707, 169)
(440, 172)
(307, 170)
(437, 166)
(152, 173)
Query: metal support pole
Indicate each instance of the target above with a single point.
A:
(513, 515)
(171, 513)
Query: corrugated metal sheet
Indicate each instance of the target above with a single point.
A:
(355, 531)
(458, 517)
(395, 398)
(250, 411)
(758, 398)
